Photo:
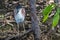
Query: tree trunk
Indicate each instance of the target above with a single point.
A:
(34, 20)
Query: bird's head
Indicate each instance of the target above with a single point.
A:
(20, 9)
(18, 6)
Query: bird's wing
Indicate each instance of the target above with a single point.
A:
(23, 11)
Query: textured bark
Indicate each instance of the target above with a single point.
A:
(34, 19)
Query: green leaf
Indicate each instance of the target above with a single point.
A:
(45, 18)
(47, 11)
(56, 18)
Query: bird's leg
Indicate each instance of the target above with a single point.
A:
(24, 27)
(18, 28)
(21, 27)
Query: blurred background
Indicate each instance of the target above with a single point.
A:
(8, 26)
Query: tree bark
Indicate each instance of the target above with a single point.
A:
(34, 19)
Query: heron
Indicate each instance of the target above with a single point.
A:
(19, 15)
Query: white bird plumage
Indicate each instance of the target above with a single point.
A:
(19, 15)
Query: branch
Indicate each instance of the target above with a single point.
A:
(34, 19)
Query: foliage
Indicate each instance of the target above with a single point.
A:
(47, 11)
(56, 18)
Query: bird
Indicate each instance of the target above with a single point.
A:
(19, 14)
